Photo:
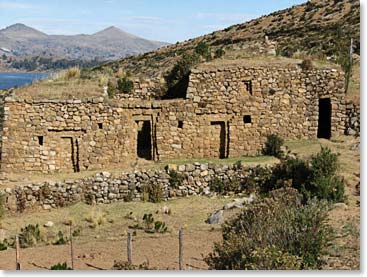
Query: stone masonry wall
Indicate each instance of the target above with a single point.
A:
(105, 188)
(228, 113)
(353, 121)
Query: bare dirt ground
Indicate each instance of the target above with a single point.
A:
(104, 227)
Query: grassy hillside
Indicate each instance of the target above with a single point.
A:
(319, 28)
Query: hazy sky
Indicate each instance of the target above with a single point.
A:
(164, 20)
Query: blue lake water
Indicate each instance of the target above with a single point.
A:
(16, 79)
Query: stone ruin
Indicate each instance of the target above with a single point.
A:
(225, 112)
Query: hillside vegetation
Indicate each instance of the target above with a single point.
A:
(318, 28)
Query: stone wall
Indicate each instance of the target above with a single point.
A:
(353, 121)
(105, 188)
(228, 112)
(144, 89)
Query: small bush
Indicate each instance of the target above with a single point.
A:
(314, 178)
(219, 53)
(111, 89)
(77, 232)
(61, 239)
(307, 64)
(273, 146)
(175, 178)
(29, 236)
(59, 266)
(203, 49)
(155, 193)
(217, 185)
(125, 85)
(224, 186)
(103, 80)
(148, 221)
(3, 245)
(277, 232)
(72, 73)
(96, 218)
(181, 69)
(160, 227)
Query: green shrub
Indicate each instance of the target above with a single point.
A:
(155, 193)
(224, 186)
(217, 185)
(219, 53)
(181, 69)
(61, 239)
(314, 178)
(59, 266)
(77, 232)
(175, 178)
(3, 245)
(203, 49)
(148, 221)
(324, 164)
(277, 232)
(125, 85)
(111, 90)
(273, 146)
(29, 236)
(160, 227)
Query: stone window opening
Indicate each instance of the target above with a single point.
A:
(248, 86)
(40, 140)
(247, 119)
(180, 124)
(100, 126)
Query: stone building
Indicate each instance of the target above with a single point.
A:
(226, 111)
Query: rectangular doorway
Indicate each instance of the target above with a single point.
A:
(324, 129)
(144, 139)
(218, 139)
(69, 154)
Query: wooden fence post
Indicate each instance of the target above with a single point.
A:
(71, 248)
(180, 250)
(129, 248)
(17, 263)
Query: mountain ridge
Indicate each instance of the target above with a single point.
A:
(108, 44)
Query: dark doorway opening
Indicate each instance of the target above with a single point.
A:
(69, 155)
(220, 129)
(324, 130)
(144, 148)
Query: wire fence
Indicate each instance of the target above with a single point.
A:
(183, 262)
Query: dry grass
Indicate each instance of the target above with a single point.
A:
(354, 85)
(238, 58)
(60, 88)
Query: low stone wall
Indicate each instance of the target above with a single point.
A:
(106, 188)
(353, 123)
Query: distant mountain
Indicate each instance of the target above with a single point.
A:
(108, 44)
